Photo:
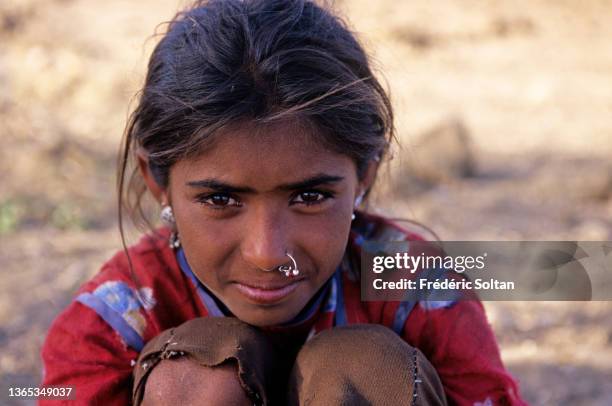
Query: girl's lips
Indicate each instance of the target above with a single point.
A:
(267, 296)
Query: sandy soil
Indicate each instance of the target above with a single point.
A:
(504, 114)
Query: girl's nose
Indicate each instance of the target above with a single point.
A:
(264, 244)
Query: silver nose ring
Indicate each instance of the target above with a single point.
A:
(291, 269)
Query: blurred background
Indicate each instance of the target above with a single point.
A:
(504, 115)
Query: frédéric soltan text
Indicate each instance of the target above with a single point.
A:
(443, 284)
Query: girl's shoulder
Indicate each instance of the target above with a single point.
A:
(136, 289)
(94, 342)
(149, 257)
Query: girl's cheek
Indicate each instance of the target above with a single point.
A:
(326, 247)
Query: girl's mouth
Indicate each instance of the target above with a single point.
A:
(267, 294)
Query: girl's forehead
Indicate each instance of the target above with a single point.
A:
(273, 153)
(268, 138)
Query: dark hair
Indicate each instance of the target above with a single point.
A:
(226, 61)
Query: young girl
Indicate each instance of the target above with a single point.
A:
(259, 131)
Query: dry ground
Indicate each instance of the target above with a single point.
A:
(504, 113)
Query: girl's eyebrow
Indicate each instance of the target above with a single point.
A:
(317, 180)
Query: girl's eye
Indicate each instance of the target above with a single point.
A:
(218, 201)
(311, 197)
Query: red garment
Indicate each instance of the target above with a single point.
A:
(91, 345)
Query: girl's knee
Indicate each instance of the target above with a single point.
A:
(363, 363)
(349, 343)
(192, 359)
(182, 381)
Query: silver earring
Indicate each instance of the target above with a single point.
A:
(167, 217)
(290, 269)
(174, 241)
(357, 203)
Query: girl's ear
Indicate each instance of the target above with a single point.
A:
(158, 191)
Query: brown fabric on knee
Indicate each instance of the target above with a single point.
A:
(210, 342)
(363, 364)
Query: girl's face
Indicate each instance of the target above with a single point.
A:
(256, 194)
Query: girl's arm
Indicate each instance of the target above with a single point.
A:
(458, 340)
(81, 350)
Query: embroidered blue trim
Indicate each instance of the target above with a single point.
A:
(401, 315)
(359, 240)
(437, 304)
(340, 316)
(208, 302)
(114, 319)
